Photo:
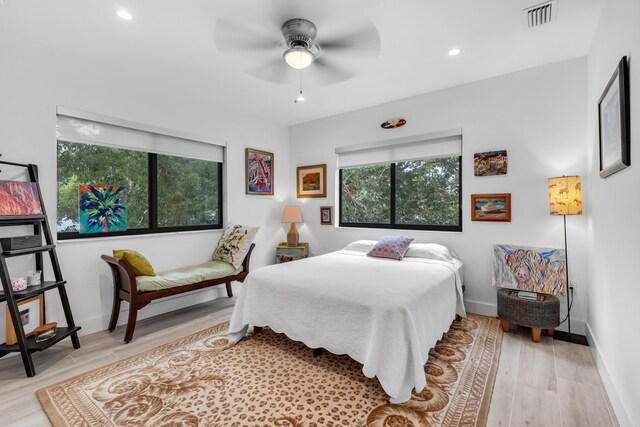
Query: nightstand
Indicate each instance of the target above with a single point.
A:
(284, 253)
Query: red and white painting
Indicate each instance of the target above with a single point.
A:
(19, 198)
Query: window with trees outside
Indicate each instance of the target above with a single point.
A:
(416, 194)
(163, 192)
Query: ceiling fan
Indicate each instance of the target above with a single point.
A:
(330, 58)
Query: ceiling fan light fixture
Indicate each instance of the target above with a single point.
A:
(298, 57)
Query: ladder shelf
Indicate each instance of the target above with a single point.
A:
(28, 345)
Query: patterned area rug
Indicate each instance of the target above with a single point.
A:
(269, 380)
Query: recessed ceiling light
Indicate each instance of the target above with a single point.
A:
(454, 51)
(125, 14)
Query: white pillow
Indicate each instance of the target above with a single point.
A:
(361, 246)
(429, 251)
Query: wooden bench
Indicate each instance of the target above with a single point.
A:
(126, 289)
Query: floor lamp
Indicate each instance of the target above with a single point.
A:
(565, 198)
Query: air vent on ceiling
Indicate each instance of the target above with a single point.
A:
(540, 14)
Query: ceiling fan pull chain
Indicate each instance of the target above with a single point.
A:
(300, 97)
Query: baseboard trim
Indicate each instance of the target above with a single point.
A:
(483, 308)
(616, 403)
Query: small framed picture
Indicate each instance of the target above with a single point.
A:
(326, 215)
(311, 181)
(259, 172)
(614, 122)
(490, 163)
(491, 207)
(31, 315)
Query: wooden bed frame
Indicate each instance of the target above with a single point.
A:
(126, 289)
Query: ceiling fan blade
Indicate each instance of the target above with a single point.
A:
(232, 36)
(324, 71)
(365, 40)
(275, 71)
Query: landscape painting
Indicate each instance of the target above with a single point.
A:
(491, 207)
(103, 208)
(541, 270)
(490, 163)
(259, 172)
(19, 198)
(312, 181)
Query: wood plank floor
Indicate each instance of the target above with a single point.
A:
(547, 384)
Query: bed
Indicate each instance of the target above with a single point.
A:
(385, 314)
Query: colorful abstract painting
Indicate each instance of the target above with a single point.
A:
(259, 169)
(490, 163)
(19, 198)
(103, 208)
(540, 270)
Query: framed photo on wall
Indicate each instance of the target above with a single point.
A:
(311, 181)
(326, 215)
(491, 207)
(490, 163)
(259, 172)
(31, 315)
(614, 122)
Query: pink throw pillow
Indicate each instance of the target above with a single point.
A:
(393, 247)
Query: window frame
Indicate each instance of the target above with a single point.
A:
(152, 159)
(392, 206)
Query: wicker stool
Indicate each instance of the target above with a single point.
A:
(534, 314)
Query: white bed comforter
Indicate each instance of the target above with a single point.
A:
(385, 314)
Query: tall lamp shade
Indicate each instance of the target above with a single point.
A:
(565, 195)
(565, 198)
(292, 215)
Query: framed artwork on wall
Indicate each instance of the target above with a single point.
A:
(311, 181)
(491, 207)
(326, 215)
(614, 122)
(490, 163)
(259, 172)
(31, 315)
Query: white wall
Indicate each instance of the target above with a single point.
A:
(614, 229)
(538, 115)
(34, 79)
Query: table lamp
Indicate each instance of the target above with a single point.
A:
(565, 198)
(292, 215)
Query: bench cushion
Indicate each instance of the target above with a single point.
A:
(189, 275)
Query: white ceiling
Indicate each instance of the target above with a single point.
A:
(171, 44)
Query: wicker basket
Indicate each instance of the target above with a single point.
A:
(530, 313)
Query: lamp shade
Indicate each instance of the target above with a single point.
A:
(291, 215)
(565, 195)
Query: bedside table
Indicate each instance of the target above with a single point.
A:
(285, 253)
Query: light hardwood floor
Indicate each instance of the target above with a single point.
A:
(547, 384)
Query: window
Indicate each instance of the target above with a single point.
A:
(92, 164)
(188, 192)
(164, 192)
(420, 194)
